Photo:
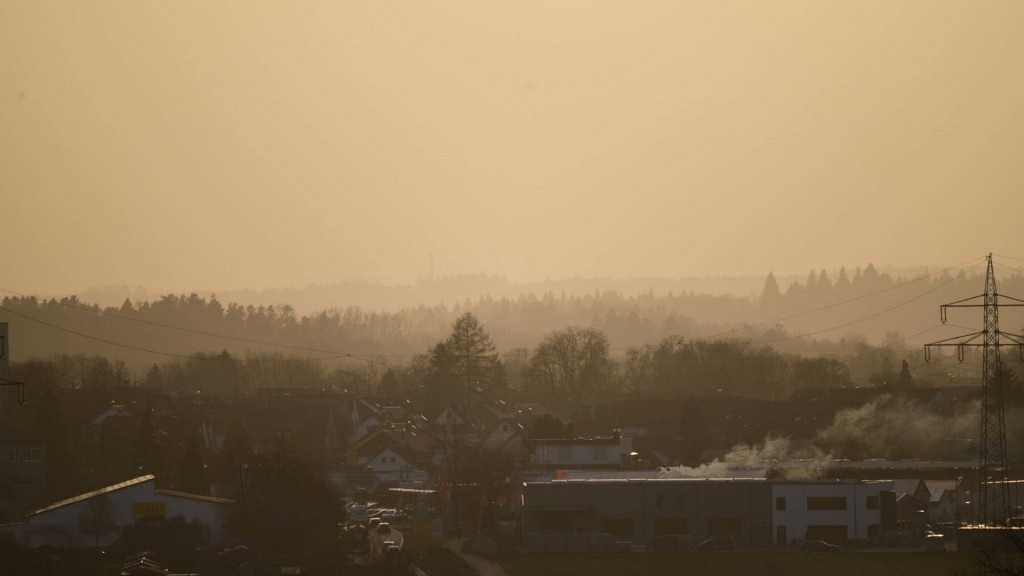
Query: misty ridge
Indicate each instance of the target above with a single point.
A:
(837, 329)
(451, 290)
(832, 311)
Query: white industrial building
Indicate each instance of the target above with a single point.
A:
(594, 514)
(97, 518)
(831, 511)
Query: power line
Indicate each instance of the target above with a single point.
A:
(837, 304)
(859, 320)
(844, 302)
(110, 314)
(1009, 258)
(158, 352)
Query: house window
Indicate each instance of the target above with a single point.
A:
(725, 526)
(826, 502)
(665, 526)
(383, 459)
(392, 459)
(617, 526)
(872, 503)
(13, 455)
(780, 502)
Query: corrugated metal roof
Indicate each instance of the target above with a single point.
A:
(94, 493)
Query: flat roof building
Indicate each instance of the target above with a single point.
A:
(598, 515)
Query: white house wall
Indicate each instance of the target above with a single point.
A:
(387, 461)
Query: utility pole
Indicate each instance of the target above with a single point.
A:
(994, 492)
(5, 359)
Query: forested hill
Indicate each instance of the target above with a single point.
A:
(865, 306)
(447, 290)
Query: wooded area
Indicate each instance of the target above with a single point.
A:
(817, 333)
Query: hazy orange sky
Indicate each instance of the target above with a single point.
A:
(201, 145)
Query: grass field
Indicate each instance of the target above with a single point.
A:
(782, 563)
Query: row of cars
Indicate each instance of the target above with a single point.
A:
(727, 544)
(365, 512)
(389, 548)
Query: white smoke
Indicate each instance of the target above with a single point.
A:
(755, 461)
(890, 427)
(894, 427)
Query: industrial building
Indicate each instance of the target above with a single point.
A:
(599, 515)
(95, 519)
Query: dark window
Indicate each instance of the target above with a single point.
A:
(780, 503)
(555, 522)
(872, 531)
(617, 526)
(872, 503)
(725, 526)
(826, 502)
(663, 526)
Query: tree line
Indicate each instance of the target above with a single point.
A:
(570, 363)
(644, 344)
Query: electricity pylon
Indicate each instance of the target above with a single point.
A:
(994, 507)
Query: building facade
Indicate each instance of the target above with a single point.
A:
(22, 474)
(598, 515)
(97, 518)
(831, 511)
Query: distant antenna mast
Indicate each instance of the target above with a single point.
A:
(994, 473)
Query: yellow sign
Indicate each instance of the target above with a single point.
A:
(149, 509)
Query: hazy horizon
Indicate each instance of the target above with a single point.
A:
(257, 146)
(377, 296)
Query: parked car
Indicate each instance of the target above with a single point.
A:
(383, 528)
(717, 544)
(934, 543)
(818, 546)
(374, 522)
(358, 514)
